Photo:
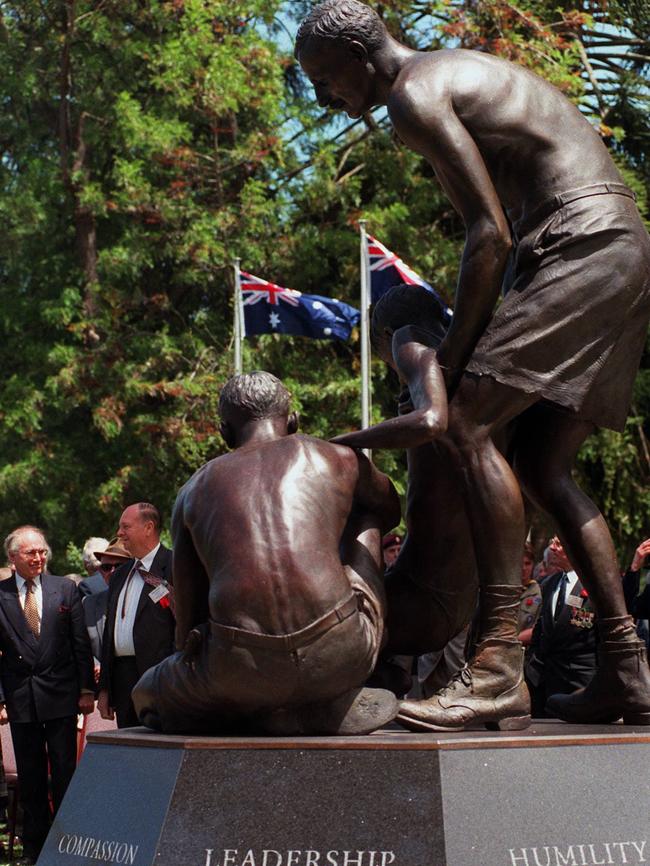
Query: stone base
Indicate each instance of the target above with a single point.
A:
(554, 795)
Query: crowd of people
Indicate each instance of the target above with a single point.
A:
(70, 644)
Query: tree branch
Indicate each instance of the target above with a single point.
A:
(602, 105)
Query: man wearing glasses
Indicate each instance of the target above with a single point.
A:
(46, 678)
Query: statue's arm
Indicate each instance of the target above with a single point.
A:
(375, 496)
(426, 121)
(418, 368)
(191, 583)
(375, 510)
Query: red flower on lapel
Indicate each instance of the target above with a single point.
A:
(64, 609)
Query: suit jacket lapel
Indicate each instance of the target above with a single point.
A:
(158, 569)
(159, 564)
(51, 603)
(549, 623)
(15, 616)
(117, 582)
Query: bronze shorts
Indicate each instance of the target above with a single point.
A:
(573, 323)
(238, 675)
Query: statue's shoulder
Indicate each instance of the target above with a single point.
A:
(333, 451)
(315, 443)
(430, 76)
(422, 82)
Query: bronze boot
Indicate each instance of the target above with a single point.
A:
(489, 691)
(621, 685)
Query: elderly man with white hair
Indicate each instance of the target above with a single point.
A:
(46, 678)
(95, 582)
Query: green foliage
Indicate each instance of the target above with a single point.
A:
(74, 559)
(614, 473)
(144, 146)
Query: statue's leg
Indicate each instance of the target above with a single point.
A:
(545, 450)
(425, 614)
(491, 689)
(330, 698)
(181, 694)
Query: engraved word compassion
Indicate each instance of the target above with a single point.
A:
(98, 849)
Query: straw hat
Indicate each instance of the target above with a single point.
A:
(115, 549)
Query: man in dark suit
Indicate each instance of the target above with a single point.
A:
(140, 625)
(46, 678)
(563, 654)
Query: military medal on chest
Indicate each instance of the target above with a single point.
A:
(581, 615)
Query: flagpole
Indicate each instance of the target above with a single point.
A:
(365, 327)
(239, 329)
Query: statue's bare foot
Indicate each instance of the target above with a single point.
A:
(489, 691)
(359, 711)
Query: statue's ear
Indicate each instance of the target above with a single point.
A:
(293, 422)
(227, 433)
(359, 50)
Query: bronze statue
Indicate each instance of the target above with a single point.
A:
(431, 588)
(277, 577)
(549, 219)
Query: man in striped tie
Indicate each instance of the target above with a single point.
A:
(46, 678)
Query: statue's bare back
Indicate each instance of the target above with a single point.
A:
(291, 497)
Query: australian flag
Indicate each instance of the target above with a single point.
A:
(387, 270)
(271, 309)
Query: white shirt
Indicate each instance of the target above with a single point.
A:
(21, 584)
(572, 579)
(147, 561)
(128, 601)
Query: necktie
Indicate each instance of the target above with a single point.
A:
(31, 608)
(561, 597)
(137, 565)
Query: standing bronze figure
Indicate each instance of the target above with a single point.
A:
(277, 577)
(549, 219)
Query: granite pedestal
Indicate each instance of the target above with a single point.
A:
(554, 795)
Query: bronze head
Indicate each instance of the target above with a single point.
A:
(406, 305)
(342, 21)
(254, 397)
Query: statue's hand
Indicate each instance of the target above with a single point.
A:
(404, 404)
(192, 647)
(451, 369)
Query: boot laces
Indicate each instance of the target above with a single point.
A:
(462, 677)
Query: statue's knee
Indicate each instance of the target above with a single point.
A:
(144, 692)
(151, 720)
